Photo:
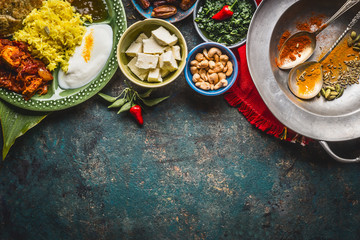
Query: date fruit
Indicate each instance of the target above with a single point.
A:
(145, 4)
(164, 11)
(186, 4)
(159, 3)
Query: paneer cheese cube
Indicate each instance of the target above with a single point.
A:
(154, 75)
(168, 48)
(151, 46)
(140, 38)
(134, 49)
(164, 37)
(164, 72)
(146, 61)
(140, 73)
(176, 52)
(167, 61)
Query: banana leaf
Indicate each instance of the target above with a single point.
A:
(16, 122)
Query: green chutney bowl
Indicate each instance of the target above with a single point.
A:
(130, 35)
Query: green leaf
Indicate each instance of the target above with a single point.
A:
(129, 96)
(107, 97)
(146, 94)
(15, 123)
(118, 103)
(125, 107)
(153, 102)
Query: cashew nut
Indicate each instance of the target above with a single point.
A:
(210, 69)
(196, 77)
(214, 51)
(214, 78)
(224, 59)
(203, 85)
(199, 57)
(194, 63)
(202, 73)
(229, 66)
(193, 70)
(222, 83)
(218, 68)
(205, 52)
(222, 76)
(217, 58)
(203, 64)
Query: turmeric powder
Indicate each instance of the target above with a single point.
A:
(334, 64)
(307, 79)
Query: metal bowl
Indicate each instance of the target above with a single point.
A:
(197, 7)
(335, 121)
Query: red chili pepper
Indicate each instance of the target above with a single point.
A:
(136, 112)
(225, 13)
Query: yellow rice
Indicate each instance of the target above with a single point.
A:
(53, 32)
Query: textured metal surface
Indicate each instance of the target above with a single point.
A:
(196, 170)
(330, 121)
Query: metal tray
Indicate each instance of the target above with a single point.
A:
(333, 121)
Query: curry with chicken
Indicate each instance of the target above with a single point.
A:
(20, 72)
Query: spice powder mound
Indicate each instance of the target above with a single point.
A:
(313, 24)
(293, 48)
(342, 66)
(307, 80)
(283, 38)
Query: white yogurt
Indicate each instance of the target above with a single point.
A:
(89, 58)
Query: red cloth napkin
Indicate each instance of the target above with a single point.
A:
(244, 95)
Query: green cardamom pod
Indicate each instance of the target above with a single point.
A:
(330, 87)
(350, 42)
(327, 93)
(353, 35)
(337, 87)
(322, 92)
(357, 39)
(340, 92)
(330, 98)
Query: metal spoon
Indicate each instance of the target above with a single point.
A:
(309, 50)
(294, 73)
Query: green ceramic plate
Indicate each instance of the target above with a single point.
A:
(57, 98)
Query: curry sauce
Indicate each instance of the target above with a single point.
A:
(96, 8)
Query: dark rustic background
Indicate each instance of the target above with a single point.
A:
(196, 170)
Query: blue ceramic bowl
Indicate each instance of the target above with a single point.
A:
(199, 49)
(180, 15)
